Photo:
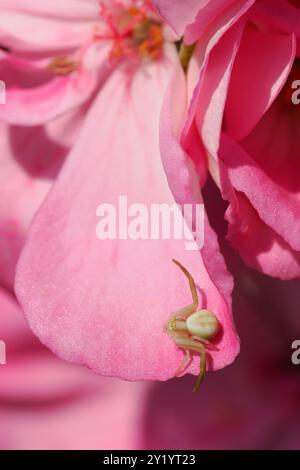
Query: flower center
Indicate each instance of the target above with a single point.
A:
(134, 30)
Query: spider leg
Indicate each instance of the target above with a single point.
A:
(192, 345)
(184, 312)
(206, 342)
(191, 282)
(202, 369)
(184, 363)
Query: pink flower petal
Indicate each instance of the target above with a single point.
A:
(212, 12)
(258, 244)
(249, 98)
(179, 14)
(28, 25)
(184, 184)
(281, 15)
(273, 144)
(217, 29)
(35, 96)
(24, 183)
(104, 304)
(264, 226)
(30, 159)
(214, 88)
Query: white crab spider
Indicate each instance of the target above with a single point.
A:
(192, 329)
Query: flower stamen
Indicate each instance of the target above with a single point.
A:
(62, 66)
(135, 32)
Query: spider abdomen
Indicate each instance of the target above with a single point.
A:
(203, 323)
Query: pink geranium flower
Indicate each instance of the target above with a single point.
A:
(86, 84)
(242, 78)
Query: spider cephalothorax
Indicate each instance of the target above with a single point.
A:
(192, 329)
